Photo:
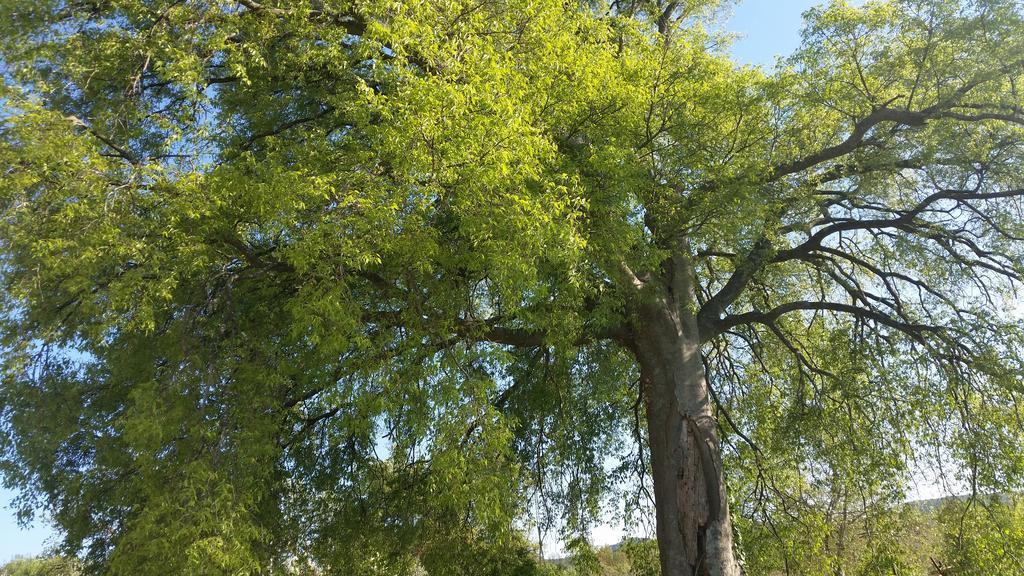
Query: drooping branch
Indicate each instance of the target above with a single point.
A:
(910, 222)
(767, 317)
(762, 254)
(877, 292)
(906, 220)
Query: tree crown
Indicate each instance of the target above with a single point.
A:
(272, 268)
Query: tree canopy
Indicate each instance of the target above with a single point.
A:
(366, 285)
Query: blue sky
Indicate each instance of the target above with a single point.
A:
(15, 541)
(769, 28)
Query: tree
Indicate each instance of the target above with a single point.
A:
(247, 246)
(983, 535)
(40, 567)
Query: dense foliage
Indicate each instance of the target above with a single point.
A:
(354, 285)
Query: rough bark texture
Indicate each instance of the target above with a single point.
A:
(693, 523)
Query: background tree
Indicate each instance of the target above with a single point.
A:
(982, 535)
(41, 567)
(332, 281)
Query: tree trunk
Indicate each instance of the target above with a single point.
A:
(693, 524)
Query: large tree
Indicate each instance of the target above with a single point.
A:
(343, 282)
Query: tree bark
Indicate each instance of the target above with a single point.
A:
(694, 529)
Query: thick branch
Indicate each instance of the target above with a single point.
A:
(852, 142)
(715, 307)
(904, 117)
